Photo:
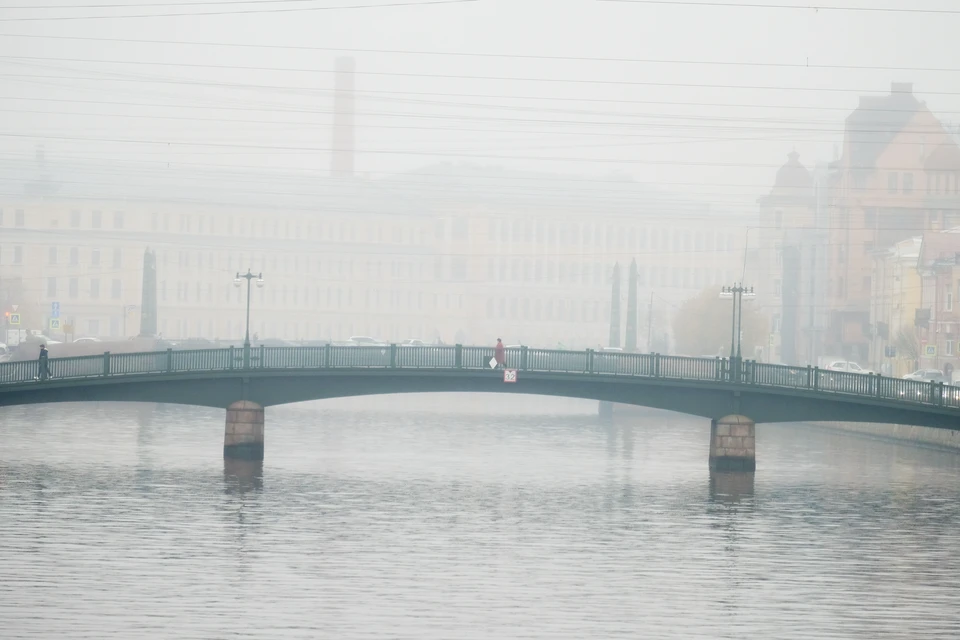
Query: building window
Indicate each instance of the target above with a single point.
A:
(95, 220)
(948, 348)
(74, 219)
(74, 287)
(51, 287)
(948, 301)
(777, 288)
(892, 180)
(908, 183)
(118, 219)
(18, 255)
(866, 283)
(95, 258)
(18, 218)
(74, 256)
(95, 287)
(93, 327)
(117, 258)
(775, 323)
(52, 256)
(115, 289)
(778, 218)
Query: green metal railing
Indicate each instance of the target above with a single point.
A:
(590, 362)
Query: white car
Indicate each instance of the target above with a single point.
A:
(363, 341)
(847, 366)
(412, 342)
(91, 339)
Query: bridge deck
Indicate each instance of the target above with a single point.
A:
(621, 365)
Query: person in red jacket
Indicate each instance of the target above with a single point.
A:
(500, 355)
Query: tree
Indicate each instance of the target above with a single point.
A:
(701, 326)
(908, 347)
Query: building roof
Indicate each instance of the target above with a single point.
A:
(939, 247)
(875, 123)
(945, 157)
(793, 175)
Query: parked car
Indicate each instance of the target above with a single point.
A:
(87, 339)
(927, 375)
(412, 342)
(847, 366)
(364, 341)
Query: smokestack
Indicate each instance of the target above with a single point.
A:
(148, 296)
(615, 308)
(341, 160)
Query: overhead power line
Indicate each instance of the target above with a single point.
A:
(194, 3)
(441, 76)
(411, 152)
(816, 8)
(376, 94)
(422, 3)
(511, 56)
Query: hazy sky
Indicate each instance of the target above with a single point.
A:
(699, 127)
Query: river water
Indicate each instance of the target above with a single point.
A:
(465, 517)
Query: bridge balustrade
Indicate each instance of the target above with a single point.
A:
(459, 357)
(426, 357)
(553, 360)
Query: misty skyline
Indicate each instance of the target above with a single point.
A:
(714, 128)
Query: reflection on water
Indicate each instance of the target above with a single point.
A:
(440, 517)
(731, 486)
(240, 476)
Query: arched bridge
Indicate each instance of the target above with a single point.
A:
(713, 388)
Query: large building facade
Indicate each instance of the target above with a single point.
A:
(354, 257)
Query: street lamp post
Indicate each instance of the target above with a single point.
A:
(736, 293)
(248, 276)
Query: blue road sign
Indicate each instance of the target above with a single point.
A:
(54, 309)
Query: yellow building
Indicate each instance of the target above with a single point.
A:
(895, 300)
(896, 157)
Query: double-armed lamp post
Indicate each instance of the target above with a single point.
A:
(248, 276)
(737, 293)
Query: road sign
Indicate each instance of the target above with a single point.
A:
(509, 375)
(68, 328)
(930, 350)
(14, 306)
(54, 309)
(55, 324)
(14, 318)
(493, 363)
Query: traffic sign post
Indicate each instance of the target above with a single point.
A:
(930, 350)
(55, 324)
(15, 318)
(509, 375)
(54, 309)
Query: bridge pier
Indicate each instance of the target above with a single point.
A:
(243, 433)
(733, 444)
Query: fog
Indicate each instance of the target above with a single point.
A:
(500, 157)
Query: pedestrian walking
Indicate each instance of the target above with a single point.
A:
(500, 355)
(43, 364)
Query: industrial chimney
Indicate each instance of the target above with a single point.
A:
(341, 160)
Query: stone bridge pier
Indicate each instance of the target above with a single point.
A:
(243, 432)
(732, 444)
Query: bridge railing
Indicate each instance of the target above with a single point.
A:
(459, 357)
